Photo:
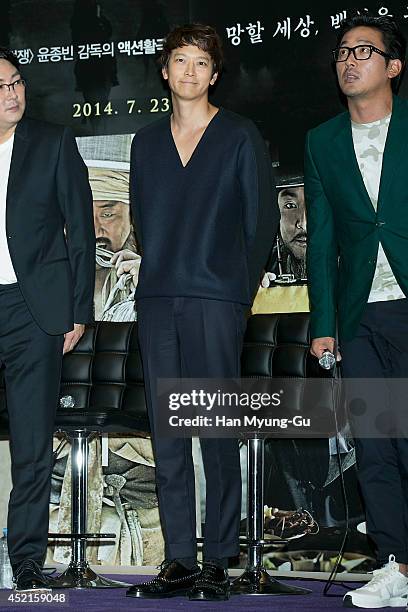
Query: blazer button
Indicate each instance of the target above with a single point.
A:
(380, 223)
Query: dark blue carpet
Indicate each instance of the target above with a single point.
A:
(114, 600)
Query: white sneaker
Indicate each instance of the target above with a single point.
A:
(387, 587)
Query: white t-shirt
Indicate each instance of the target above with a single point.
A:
(7, 274)
(369, 143)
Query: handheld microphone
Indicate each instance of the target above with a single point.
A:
(327, 360)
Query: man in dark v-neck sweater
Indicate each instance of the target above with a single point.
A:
(205, 214)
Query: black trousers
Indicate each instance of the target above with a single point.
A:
(380, 350)
(32, 361)
(193, 338)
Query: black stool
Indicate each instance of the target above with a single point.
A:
(275, 345)
(101, 391)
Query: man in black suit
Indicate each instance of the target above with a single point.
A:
(47, 244)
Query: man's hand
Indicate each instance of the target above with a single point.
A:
(319, 345)
(72, 337)
(127, 261)
(267, 278)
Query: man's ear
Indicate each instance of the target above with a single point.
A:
(164, 73)
(394, 68)
(214, 78)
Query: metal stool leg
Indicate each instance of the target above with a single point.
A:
(78, 573)
(255, 580)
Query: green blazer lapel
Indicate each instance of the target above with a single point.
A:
(347, 162)
(395, 147)
(20, 147)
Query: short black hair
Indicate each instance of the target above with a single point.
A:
(394, 40)
(202, 36)
(11, 57)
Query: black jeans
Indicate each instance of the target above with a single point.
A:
(380, 351)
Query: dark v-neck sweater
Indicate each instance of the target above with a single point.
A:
(206, 229)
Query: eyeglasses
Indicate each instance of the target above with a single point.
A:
(16, 85)
(360, 52)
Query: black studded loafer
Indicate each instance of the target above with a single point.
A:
(173, 580)
(212, 585)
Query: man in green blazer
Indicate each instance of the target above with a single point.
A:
(356, 188)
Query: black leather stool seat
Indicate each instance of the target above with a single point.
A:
(103, 420)
(104, 378)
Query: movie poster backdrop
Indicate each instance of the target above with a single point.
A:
(92, 65)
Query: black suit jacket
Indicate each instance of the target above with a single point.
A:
(48, 191)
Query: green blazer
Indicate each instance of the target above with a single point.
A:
(344, 230)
